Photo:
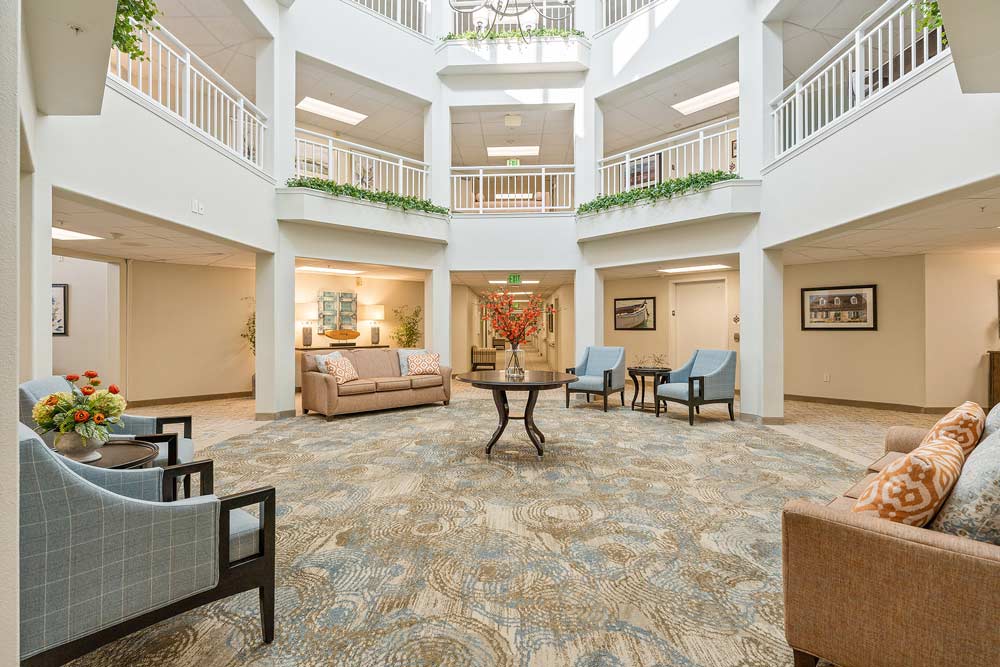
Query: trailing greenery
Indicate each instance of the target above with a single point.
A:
(930, 19)
(512, 34)
(382, 197)
(665, 190)
(249, 333)
(407, 333)
(132, 18)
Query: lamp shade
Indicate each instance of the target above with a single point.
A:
(306, 311)
(375, 313)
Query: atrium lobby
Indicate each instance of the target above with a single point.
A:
(539, 333)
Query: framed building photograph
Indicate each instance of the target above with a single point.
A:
(60, 306)
(848, 308)
(635, 314)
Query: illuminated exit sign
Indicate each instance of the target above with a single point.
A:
(514, 279)
(514, 162)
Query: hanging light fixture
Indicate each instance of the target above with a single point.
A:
(508, 13)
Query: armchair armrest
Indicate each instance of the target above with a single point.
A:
(843, 569)
(184, 420)
(661, 377)
(701, 386)
(206, 477)
(169, 438)
(903, 439)
(608, 378)
(264, 497)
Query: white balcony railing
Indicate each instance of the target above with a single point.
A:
(884, 50)
(411, 14)
(526, 189)
(554, 14)
(174, 78)
(714, 147)
(344, 162)
(614, 11)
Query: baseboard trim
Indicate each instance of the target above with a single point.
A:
(274, 416)
(761, 421)
(874, 405)
(189, 399)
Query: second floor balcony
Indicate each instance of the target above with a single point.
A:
(521, 189)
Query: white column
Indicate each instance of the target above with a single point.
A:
(437, 147)
(276, 97)
(275, 357)
(762, 360)
(439, 21)
(35, 238)
(10, 33)
(587, 17)
(437, 312)
(588, 144)
(761, 79)
(588, 310)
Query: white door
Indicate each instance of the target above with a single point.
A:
(700, 318)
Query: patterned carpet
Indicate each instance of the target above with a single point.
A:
(635, 541)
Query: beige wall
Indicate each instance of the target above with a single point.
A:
(462, 335)
(184, 325)
(390, 293)
(92, 311)
(561, 344)
(885, 366)
(961, 306)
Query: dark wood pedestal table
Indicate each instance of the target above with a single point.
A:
(532, 382)
(639, 375)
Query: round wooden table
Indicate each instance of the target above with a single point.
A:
(639, 375)
(532, 382)
(123, 454)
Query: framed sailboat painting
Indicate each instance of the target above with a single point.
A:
(635, 314)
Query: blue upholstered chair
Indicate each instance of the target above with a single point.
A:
(102, 555)
(709, 376)
(601, 372)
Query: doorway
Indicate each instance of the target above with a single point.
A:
(700, 318)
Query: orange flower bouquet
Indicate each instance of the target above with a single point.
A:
(516, 320)
(82, 416)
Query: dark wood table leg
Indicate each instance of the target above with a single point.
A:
(635, 386)
(529, 423)
(643, 378)
(503, 411)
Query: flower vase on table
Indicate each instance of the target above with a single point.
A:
(514, 368)
(516, 320)
(81, 416)
(74, 446)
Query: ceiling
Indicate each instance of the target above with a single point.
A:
(959, 222)
(549, 126)
(478, 281)
(376, 271)
(651, 269)
(813, 27)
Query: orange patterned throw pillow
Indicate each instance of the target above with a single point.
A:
(912, 488)
(425, 364)
(964, 425)
(342, 369)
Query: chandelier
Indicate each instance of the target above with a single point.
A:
(506, 16)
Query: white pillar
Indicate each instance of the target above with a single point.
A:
(587, 17)
(439, 20)
(762, 361)
(437, 147)
(588, 310)
(761, 80)
(276, 97)
(10, 149)
(588, 144)
(275, 357)
(35, 238)
(437, 312)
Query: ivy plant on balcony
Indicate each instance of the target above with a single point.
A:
(930, 19)
(491, 35)
(669, 189)
(132, 18)
(382, 197)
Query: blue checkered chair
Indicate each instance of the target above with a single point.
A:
(102, 555)
(709, 376)
(601, 372)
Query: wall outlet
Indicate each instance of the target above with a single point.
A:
(194, 205)
(826, 377)
(197, 207)
(201, 208)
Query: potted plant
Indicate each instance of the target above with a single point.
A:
(83, 416)
(249, 334)
(407, 333)
(515, 320)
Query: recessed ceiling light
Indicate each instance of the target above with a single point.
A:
(520, 293)
(520, 300)
(728, 92)
(323, 269)
(703, 267)
(312, 105)
(60, 234)
(512, 151)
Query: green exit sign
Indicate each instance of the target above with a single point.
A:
(513, 162)
(514, 279)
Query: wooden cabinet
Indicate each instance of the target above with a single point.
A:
(994, 380)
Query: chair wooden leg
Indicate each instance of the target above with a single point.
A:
(697, 409)
(267, 612)
(732, 415)
(623, 398)
(187, 486)
(605, 402)
(804, 659)
(691, 415)
(305, 411)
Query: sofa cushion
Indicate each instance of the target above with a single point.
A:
(973, 508)
(355, 387)
(391, 383)
(992, 424)
(588, 383)
(912, 489)
(375, 363)
(887, 458)
(859, 488)
(677, 390)
(342, 369)
(424, 381)
(403, 356)
(964, 425)
(244, 539)
(424, 364)
(842, 503)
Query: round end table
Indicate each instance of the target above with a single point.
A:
(639, 375)
(124, 454)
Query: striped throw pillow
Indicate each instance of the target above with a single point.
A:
(425, 364)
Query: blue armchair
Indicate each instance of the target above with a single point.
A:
(101, 554)
(708, 377)
(601, 372)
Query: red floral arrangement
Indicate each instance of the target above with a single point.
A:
(514, 319)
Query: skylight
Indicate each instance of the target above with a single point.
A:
(312, 105)
(713, 97)
(512, 151)
(324, 269)
(690, 269)
(60, 234)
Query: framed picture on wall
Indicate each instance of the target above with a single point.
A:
(551, 321)
(60, 309)
(635, 314)
(847, 308)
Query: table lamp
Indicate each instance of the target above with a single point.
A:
(307, 312)
(373, 314)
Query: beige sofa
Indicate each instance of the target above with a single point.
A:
(867, 592)
(378, 387)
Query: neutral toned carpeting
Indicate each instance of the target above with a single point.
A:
(635, 541)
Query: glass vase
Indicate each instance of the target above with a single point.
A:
(74, 446)
(514, 367)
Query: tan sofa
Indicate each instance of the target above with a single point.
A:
(866, 592)
(378, 387)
